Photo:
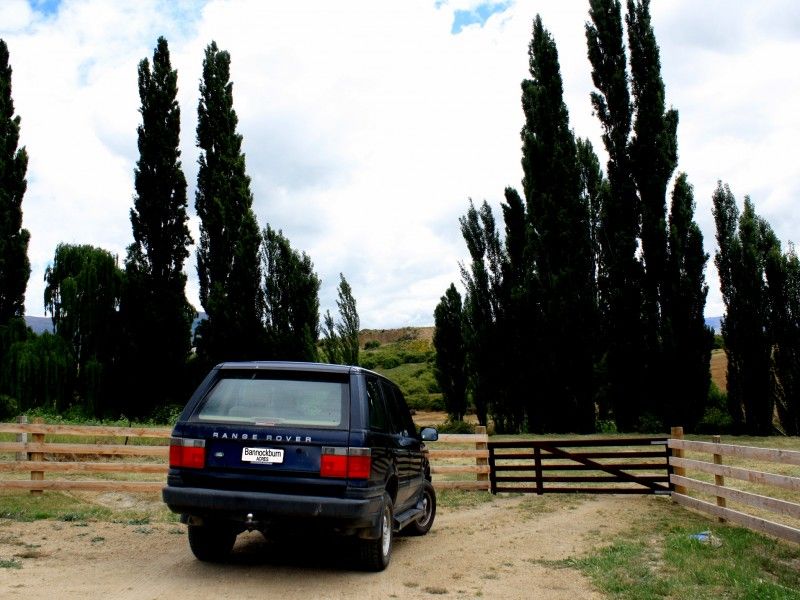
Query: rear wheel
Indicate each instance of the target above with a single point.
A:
(211, 542)
(425, 521)
(375, 554)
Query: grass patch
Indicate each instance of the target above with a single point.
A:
(61, 506)
(11, 563)
(658, 558)
(24, 506)
(462, 498)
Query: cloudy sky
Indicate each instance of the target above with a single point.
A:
(369, 125)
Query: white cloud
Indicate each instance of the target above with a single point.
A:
(367, 126)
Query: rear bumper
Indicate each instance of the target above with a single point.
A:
(234, 506)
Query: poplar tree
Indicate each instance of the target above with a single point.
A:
(620, 273)
(482, 281)
(783, 283)
(349, 324)
(157, 317)
(741, 262)
(331, 346)
(291, 300)
(653, 152)
(450, 366)
(686, 339)
(15, 268)
(228, 265)
(559, 242)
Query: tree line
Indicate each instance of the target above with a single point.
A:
(122, 338)
(585, 311)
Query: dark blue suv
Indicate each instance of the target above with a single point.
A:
(264, 445)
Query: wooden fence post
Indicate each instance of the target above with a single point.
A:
(22, 438)
(677, 434)
(479, 460)
(37, 438)
(719, 479)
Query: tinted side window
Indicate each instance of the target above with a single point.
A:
(401, 418)
(378, 418)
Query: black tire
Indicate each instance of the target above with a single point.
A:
(424, 523)
(211, 543)
(374, 555)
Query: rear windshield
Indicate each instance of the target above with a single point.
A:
(270, 399)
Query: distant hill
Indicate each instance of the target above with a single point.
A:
(715, 323)
(391, 336)
(42, 324)
(39, 324)
(384, 336)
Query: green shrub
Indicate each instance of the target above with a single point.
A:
(372, 344)
(451, 426)
(716, 418)
(608, 426)
(9, 407)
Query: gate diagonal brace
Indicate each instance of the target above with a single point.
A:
(605, 468)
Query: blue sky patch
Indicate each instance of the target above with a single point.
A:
(480, 14)
(45, 7)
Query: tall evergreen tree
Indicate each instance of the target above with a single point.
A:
(726, 216)
(228, 265)
(741, 262)
(783, 283)
(82, 294)
(156, 315)
(686, 339)
(331, 345)
(592, 182)
(448, 340)
(559, 240)
(291, 300)
(349, 325)
(517, 319)
(620, 272)
(482, 281)
(653, 153)
(15, 267)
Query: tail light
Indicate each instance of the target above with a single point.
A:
(345, 463)
(187, 453)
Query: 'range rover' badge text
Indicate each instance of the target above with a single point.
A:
(255, 436)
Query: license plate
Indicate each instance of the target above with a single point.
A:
(262, 455)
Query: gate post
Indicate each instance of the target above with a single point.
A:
(479, 460)
(677, 434)
(719, 479)
(22, 438)
(38, 438)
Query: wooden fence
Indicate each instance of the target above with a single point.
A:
(463, 462)
(780, 511)
(99, 450)
(458, 461)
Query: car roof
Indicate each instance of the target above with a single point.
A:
(288, 366)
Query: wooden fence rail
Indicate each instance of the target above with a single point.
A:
(458, 461)
(721, 492)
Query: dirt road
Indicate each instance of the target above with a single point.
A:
(498, 549)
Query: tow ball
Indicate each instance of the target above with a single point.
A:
(249, 523)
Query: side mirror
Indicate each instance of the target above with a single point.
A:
(429, 434)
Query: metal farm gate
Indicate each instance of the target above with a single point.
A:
(588, 466)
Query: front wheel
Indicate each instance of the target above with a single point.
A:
(425, 521)
(375, 554)
(211, 543)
